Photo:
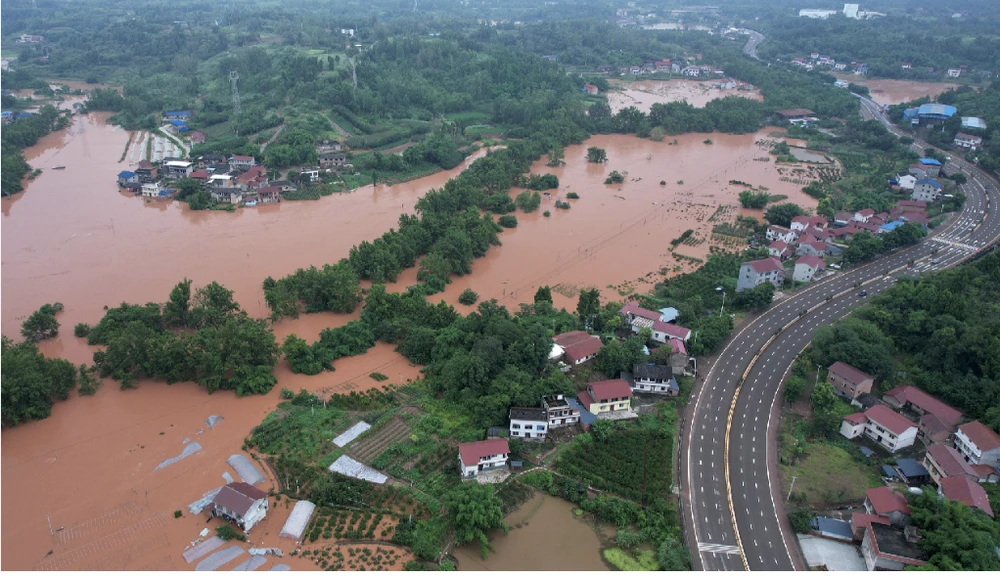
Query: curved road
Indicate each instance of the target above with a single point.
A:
(730, 435)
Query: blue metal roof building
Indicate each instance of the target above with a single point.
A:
(177, 114)
(891, 226)
(929, 181)
(833, 529)
(930, 161)
(912, 471)
(935, 111)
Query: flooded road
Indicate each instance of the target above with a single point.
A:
(895, 91)
(544, 536)
(644, 93)
(73, 238)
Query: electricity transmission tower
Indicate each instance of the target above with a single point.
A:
(234, 77)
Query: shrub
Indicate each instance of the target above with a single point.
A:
(615, 178)
(378, 376)
(178, 514)
(227, 533)
(572, 195)
(528, 201)
(468, 297)
(561, 204)
(546, 214)
(81, 330)
(663, 183)
(507, 221)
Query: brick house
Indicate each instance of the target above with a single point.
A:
(848, 381)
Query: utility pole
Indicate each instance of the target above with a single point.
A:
(234, 77)
(790, 489)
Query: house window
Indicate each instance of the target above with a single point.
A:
(515, 426)
(540, 427)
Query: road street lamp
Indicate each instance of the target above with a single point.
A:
(719, 289)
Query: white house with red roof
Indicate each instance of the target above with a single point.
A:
(942, 461)
(863, 215)
(775, 232)
(240, 503)
(889, 429)
(756, 272)
(606, 396)
(978, 444)
(806, 267)
(639, 318)
(474, 458)
(966, 491)
(937, 419)
(803, 223)
(811, 246)
(779, 249)
(848, 381)
(577, 347)
(885, 502)
(242, 162)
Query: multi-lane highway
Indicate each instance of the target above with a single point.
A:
(733, 507)
(750, 48)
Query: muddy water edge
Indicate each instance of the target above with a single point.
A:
(544, 535)
(73, 237)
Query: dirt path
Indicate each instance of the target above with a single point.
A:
(273, 136)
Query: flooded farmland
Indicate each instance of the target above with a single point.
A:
(544, 536)
(644, 93)
(886, 91)
(72, 237)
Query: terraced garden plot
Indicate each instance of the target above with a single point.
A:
(125, 513)
(374, 443)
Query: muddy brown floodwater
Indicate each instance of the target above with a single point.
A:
(73, 237)
(886, 91)
(544, 536)
(644, 93)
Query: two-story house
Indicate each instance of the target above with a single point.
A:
(658, 379)
(775, 232)
(848, 381)
(978, 444)
(474, 458)
(529, 423)
(889, 429)
(127, 177)
(964, 140)
(559, 411)
(176, 168)
(240, 503)
(937, 419)
(926, 190)
(577, 347)
(606, 396)
(943, 461)
(885, 502)
(151, 189)
(811, 246)
(932, 166)
(756, 272)
(807, 266)
(965, 491)
(242, 162)
(779, 249)
(804, 223)
(146, 171)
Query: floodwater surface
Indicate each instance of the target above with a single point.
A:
(544, 536)
(72, 237)
(890, 92)
(644, 93)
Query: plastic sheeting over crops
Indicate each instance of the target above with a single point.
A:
(245, 469)
(280, 567)
(213, 421)
(295, 526)
(251, 564)
(187, 452)
(206, 500)
(351, 434)
(203, 548)
(348, 466)
(219, 558)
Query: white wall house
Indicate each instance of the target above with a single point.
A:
(806, 267)
(756, 272)
(560, 413)
(967, 140)
(979, 444)
(884, 426)
(657, 379)
(528, 423)
(151, 189)
(775, 232)
(926, 190)
(240, 503)
(474, 458)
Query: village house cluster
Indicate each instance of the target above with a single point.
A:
(235, 180)
(811, 238)
(612, 399)
(958, 456)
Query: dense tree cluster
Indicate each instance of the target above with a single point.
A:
(204, 337)
(935, 333)
(865, 246)
(42, 324)
(955, 537)
(31, 382)
(17, 136)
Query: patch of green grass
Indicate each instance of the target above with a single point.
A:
(829, 475)
(619, 559)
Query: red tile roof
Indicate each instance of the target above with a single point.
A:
(811, 261)
(932, 425)
(672, 331)
(966, 491)
(984, 471)
(636, 310)
(928, 404)
(849, 373)
(607, 390)
(243, 158)
(779, 229)
(779, 245)
(585, 400)
(856, 419)
(583, 349)
(864, 519)
(201, 173)
(866, 212)
(843, 216)
(765, 265)
(570, 338)
(950, 461)
(677, 346)
(472, 452)
(984, 437)
(884, 501)
(238, 497)
(889, 419)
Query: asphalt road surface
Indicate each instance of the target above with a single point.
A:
(750, 48)
(735, 506)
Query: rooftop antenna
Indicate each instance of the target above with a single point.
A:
(234, 77)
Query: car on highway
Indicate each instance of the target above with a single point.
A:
(863, 293)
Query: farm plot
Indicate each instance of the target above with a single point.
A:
(375, 442)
